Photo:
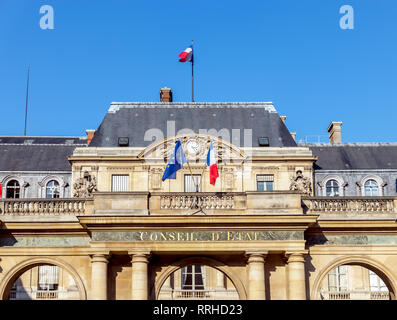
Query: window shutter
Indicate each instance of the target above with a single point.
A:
(48, 275)
(265, 177)
(189, 184)
(120, 183)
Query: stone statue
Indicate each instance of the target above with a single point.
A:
(84, 187)
(301, 184)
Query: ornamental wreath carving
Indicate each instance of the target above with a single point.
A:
(84, 187)
(301, 183)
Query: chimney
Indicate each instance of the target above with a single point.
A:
(165, 95)
(293, 135)
(283, 118)
(90, 135)
(335, 132)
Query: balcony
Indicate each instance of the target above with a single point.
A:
(207, 294)
(208, 203)
(44, 207)
(350, 205)
(355, 295)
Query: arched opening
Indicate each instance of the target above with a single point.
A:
(42, 279)
(198, 282)
(355, 281)
(173, 270)
(44, 282)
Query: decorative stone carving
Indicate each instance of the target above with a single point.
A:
(262, 168)
(228, 180)
(162, 151)
(301, 183)
(155, 178)
(85, 186)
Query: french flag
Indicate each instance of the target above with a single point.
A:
(211, 162)
(186, 55)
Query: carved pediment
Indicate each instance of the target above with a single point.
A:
(224, 151)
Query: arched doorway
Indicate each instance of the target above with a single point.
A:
(354, 279)
(198, 282)
(42, 279)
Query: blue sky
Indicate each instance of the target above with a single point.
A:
(292, 53)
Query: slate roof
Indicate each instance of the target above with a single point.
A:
(38, 153)
(133, 119)
(354, 156)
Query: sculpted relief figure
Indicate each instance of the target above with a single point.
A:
(301, 184)
(84, 187)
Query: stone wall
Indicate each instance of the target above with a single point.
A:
(33, 184)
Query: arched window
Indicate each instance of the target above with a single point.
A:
(332, 188)
(52, 189)
(13, 189)
(371, 188)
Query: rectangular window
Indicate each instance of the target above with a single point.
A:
(337, 279)
(192, 183)
(193, 278)
(48, 278)
(120, 183)
(264, 182)
(376, 283)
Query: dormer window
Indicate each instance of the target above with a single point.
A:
(332, 188)
(371, 188)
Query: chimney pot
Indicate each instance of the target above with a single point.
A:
(335, 132)
(90, 135)
(165, 94)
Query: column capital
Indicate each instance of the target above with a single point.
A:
(140, 256)
(104, 258)
(296, 256)
(256, 256)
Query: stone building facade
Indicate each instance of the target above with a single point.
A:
(264, 231)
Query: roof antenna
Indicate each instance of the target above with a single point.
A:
(27, 99)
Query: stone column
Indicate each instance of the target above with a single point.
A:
(140, 281)
(99, 277)
(296, 276)
(256, 276)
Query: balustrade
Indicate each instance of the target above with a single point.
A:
(350, 204)
(197, 200)
(192, 294)
(356, 295)
(43, 207)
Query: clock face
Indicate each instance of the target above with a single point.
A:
(192, 147)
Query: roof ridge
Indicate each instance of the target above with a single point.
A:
(61, 137)
(116, 106)
(347, 144)
(42, 144)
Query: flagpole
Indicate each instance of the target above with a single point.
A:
(192, 74)
(27, 99)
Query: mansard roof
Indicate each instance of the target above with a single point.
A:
(134, 119)
(354, 156)
(38, 153)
